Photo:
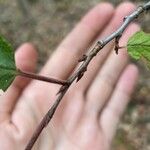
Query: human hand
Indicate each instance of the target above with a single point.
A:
(90, 111)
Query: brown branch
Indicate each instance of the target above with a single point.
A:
(116, 48)
(81, 70)
(41, 78)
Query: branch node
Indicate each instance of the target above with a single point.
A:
(101, 44)
(83, 58)
(146, 9)
(141, 7)
(116, 48)
(63, 87)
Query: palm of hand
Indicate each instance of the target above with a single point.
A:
(89, 113)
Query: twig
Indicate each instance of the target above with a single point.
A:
(41, 78)
(81, 70)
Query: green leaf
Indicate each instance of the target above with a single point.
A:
(139, 47)
(8, 69)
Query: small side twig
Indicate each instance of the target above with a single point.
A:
(41, 78)
(81, 70)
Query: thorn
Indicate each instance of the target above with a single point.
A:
(81, 73)
(83, 58)
(80, 76)
(116, 48)
(125, 18)
(62, 88)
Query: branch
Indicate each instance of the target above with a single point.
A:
(41, 78)
(83, 67)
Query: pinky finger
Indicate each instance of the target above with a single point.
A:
(118, 102)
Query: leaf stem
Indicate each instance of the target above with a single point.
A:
(41, 78)
(121, 47)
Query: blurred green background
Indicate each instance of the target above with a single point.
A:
(46, 22)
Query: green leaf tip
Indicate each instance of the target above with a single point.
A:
(8, 69)
(139, 47)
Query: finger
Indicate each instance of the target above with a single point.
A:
(118, 102)
(103, 85)
(116, 21)
(71, 49)
(26, 57)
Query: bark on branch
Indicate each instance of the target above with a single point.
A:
(86, 59)
(41, 78)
